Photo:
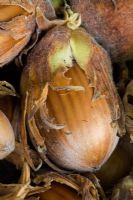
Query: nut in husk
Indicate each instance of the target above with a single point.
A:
(111, 26)
(17, 23)
(70, 105)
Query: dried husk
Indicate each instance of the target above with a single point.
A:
(124, 189)
(49, 185)
(128, 105)
(68, 187)
(17, 191)
(12, 111)
(17, 157)
(70, 101)
(10, 107)
(17, 23)
(111, 26)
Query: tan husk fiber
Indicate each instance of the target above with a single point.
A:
(68, 187)
(49, 185)
(19, 190)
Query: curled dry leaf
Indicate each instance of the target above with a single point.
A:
(17, 191)
(17, 23)
(124, 189)
(70, 105)
(128, 105)
(111, 27)
(68, 187)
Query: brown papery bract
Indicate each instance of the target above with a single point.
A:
(58, 186)
(111, 26)
(19, 190)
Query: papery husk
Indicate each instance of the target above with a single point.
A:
(17, 191)
(11, 109)
(68, 187)
(17, 157)
(110, 23)
(128, 105)
(17, 23)
(124, 189)
(60, 57)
